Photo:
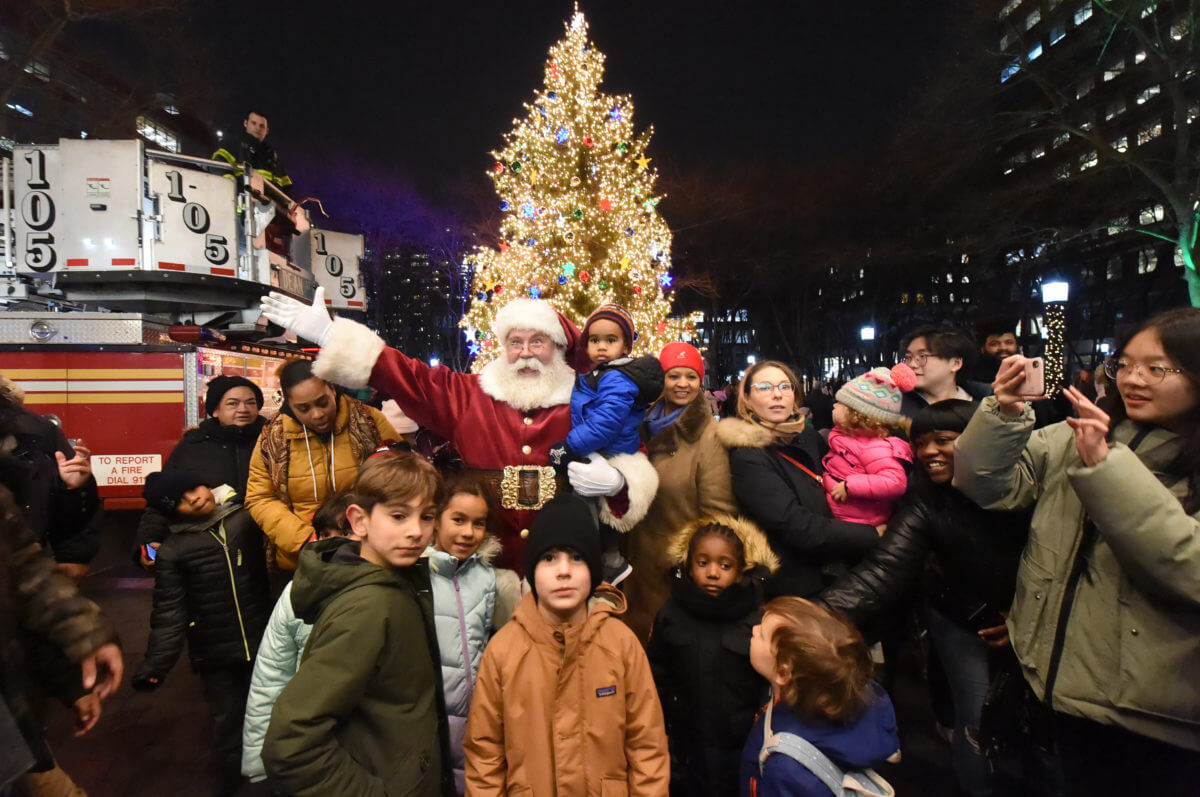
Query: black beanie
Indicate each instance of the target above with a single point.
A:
(164, 490)
(218, 386)
(947, 415)
(568, 522)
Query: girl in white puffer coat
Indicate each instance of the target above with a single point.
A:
(471, 599)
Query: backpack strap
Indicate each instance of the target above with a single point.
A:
(800, 750)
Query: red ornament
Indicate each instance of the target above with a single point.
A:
(637, 290)
(498, 289)
(499, 167)
(503, 246)
(588, 141)
(661, 327)
(606, 204)
(553, 69)
(584, 276)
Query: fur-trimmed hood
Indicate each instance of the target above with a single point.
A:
(758, 550)
(738, 433)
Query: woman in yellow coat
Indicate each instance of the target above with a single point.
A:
(310, 450)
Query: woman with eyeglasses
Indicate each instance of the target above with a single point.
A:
(1106, 617)
(775, 463)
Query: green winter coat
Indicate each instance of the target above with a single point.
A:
(1126, 651)
(364, 714)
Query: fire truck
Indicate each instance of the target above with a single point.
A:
(131, 276)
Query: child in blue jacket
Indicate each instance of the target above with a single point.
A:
(608, 405)
(823, 699)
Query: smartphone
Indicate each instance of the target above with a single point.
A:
(984, 617)
(1034, 385)
(72, 441)
(150, 551)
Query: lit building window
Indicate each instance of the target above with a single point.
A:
(1145, 96)
(1152, 214)
(1009, 7)
(1139, 56)
(1083, 13)
(1114, 109)
(1148, 10)
(1114, 70)
(1038, 151)
(1121, 144)
(1178, 257)
(1084, 88)
(1063, 171)
(1034, 52)
(1006, 40)
(1193, 112)
(1149, 133)
(38, 70)
(1052, 4)
(157, 134)
(1060, 139)
(1113, 269)
(1147, 261)
(1009, 70)
(1034, 18)
(1180, 28)
(1058, 33)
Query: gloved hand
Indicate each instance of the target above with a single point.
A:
(311, 322)
(561, 456)
(595, 477)
(146, 683)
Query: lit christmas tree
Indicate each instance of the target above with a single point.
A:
(581, 225)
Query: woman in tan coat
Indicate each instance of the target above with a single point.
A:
(310, 450)
(680, 434)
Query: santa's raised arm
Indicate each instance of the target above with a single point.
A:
(503, 421)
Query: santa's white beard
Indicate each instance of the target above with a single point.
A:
(550, 387)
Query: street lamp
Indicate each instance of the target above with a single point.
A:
(866, 333)
(1054, 297)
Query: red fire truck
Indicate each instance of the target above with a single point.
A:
(131, 277)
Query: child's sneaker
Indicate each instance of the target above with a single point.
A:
(615, 568)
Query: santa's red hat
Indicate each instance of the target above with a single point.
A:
(541, 316)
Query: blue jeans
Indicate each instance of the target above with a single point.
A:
(964, 658)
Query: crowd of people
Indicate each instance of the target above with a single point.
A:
(610, 589)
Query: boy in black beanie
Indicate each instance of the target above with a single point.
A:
(210, 587)
(564, 701)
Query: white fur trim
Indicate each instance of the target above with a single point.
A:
(641, 480)
(496, 380)
(349, 355)
(529, 314)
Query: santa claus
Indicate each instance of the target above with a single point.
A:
(503, 421)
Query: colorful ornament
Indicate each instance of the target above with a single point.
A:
(605, 205)
(505, 206)
(584, 276)
(577, 213)
(535, 292)
(474, 349)
(569, 236)
(588, 141)
(623, 146)
(499, 289)
(562, 280)
(568, 268)
(562, 135)
(629, 231)
(614, 115)
(516, 167)
(625, 264)
(637, 290)
(479, 334)
(575, 181)
(481, 296)
(660, 327)
(644, 162)
(528, 211)
(552, 95)
(650, 204)
(665, 280)
(503, 246)
(554, 69)
(603, 285)
(498, 168)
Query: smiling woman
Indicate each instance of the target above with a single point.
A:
(1120, 491)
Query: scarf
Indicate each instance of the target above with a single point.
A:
(658, 418)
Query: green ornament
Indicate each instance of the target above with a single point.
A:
(577, 213)
(516, 166)
(569, 268)
(603, 285)
(623, 146)
(479, 334)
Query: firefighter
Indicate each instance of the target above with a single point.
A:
(252, 148)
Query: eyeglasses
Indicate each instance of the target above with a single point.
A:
(916, 360)
(767, 387)
(535, 344)
(1152, 374)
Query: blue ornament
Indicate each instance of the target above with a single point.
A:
(505, 206)
(542, 111)
(562, 135)
(552, 95)
(562, 280)
(474, 349)
(481, 296)
(615, 113)
(629, 231)
(531, 242)
(665, 280)
(528, 211)
(534, 292)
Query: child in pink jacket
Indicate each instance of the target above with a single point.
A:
(866, 470)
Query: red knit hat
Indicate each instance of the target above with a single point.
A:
(619, 316)
(682, 355)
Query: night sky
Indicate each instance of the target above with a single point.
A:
(427, 89)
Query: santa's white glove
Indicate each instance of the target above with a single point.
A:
(595, 477)
(309, 321)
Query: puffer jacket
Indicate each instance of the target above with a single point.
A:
(566, 709)
(364, 713)
(789, 505)
(210, 587)
(699, 653)
(277, 661)
(464, 605)
(1106, 617)
(287, 519)
(875, 470)
(975, 555)
(693, 481)
(605, 412)
(219, 453)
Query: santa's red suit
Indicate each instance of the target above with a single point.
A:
(488, 432)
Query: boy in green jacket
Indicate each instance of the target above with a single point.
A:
(370, 679)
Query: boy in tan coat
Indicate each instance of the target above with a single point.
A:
(565, 703)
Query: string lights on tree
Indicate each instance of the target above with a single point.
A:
(1054, 300)
(581, 225)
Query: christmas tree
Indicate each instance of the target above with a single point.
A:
(581, 225)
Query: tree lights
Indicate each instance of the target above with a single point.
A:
(1054, 297)
(581, 225)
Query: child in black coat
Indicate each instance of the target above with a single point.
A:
(210, 586)
(699, 651)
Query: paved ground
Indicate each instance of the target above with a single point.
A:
(158, 743)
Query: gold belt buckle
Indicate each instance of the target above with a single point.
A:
(526, 486)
